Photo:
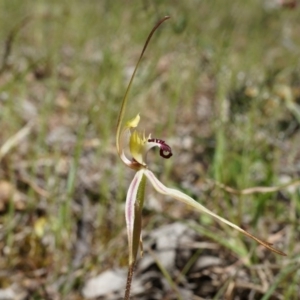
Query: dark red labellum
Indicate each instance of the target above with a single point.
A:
(165, 150)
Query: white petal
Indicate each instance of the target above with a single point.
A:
(190, 201)
(129, 209)
(124, 140)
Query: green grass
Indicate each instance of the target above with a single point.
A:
(67, 72)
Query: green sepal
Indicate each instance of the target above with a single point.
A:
(138, 208)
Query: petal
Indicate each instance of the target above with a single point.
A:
(140, 145)
(165, 150)
(133, 122)
(130, 211)
(136, 146)
(124, 139)
(190, 201)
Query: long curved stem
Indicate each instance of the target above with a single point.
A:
(124, 101)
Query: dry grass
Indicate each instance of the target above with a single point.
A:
(220, 82)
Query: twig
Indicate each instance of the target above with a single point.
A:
(9, 42)
(256, 189)
(35, 186)
(15, 139)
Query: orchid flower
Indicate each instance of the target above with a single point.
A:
(139, 144)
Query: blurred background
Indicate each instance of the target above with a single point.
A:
(220, 82)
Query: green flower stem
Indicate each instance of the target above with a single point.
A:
(129, 280)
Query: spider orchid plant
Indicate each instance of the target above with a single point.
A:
(139, 144)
